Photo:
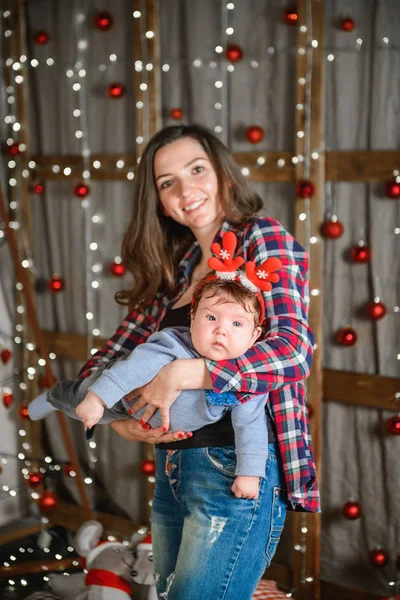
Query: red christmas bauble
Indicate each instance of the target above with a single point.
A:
(41, 38)
(378, 558)
(234, 53)
(176, 113)
(8, 399)
(117, 269)
(5, 356)
(48, 501)
(305, 189)
(115, 90)
(103, 21)
(254, 134)
(147, 467)
(23, 413)
(81, 190)
(56, 284)
(346, 336)
(347, 24)
(68, 470)
(392, 190)
(34, 479)
(12, 150)
(38, 188)
(290, 16)
(360, 254)
(332, 229)
(352, 510)
(375, 310)
(393, 425)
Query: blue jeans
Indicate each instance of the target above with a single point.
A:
(207, 543)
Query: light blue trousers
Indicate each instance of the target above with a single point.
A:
(207, 543)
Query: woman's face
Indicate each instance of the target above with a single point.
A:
(188, 186)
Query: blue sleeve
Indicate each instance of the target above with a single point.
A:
(251, 436)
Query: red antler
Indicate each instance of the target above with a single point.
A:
(262, 276)
(225, 261)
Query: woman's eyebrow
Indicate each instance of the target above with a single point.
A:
(185, 166)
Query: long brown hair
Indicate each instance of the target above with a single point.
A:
(154, 244)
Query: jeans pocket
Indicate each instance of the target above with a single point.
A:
(223, 459)
(278, 515)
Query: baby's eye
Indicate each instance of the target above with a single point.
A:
(237, 324)
(210, 318)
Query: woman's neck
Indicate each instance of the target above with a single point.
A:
(205, 239)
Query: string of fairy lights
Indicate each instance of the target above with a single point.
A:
(17, 68)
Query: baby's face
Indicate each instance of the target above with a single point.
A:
(223, 329)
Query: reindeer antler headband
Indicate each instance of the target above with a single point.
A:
(253, 278)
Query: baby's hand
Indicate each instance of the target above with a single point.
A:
(90, 410)
(246, 486)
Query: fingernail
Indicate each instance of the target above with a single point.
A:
(146, 426)
(165, 429)
(141, 422)
(189, 435)
(180, 435)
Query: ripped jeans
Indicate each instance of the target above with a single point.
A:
(208, 544)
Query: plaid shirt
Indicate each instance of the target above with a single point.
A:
(277, 364)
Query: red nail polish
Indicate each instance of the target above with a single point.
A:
(141, 422)
(189, 435)
(180, 435)
(165, 429)
(146, 426)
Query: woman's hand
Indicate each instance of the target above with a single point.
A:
(131, 430)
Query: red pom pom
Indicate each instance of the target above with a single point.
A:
(48, 502)
(81, 190)
(5, 356)
(38, 188)
(41, 38)
(117, 268)
(69, 471)
(35, 478)
(103, 21)
(378, 558)
(346, 336)
(375, 310)
(392, 190)
(115, 90)
(234, 53)
(56, 284)
(305, 189)
(23, 413)
(332, 229)
(147, 467)
(12, 150)
(290, 16)
(347, 24)
(8, 399)
(254, 134)
(360, 254)
(393, 425)
(352, 510)
(176, 113)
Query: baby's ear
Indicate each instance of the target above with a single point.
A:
(256, 335)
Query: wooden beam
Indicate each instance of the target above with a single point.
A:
(361, 165)
(281, 574)
(334, 591)
(361, 389)
(40, 566)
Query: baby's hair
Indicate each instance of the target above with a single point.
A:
(233, 291)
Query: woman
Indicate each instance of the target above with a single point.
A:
(207, 543)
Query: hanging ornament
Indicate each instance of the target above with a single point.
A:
(393, 425)
(41, 38)
(34, 479)
(254, 134)
(332, 228)
(48, 501)
(69, 471)
(305, 189)
(23, 413)
(117, 268)
(12, 150)
(5, 356)
(392, 190)
(176, 113)
(347, 24)
(38, 188)
(375, 310)
(346, 336)
(103, 21)
(81, 190)
(290, 16)
(378, 558)
(147, 467)
(352, 510)
(115, 90)
(56, 284)
(360, 253)
(8, 399)
(233, 53)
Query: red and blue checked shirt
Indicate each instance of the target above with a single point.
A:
(277, 364)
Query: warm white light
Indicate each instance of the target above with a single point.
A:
(197, 62)
(303, 29)
(120, 164)
(218, 106)
(219, 49)
(165, 67)
(295, 160)
(230, 31)
(315, 155)
(52, 356)
(139, 139)
(245, 171)
(231, 68)
(230, 6)
(254, 64)
(137, 14)
(69, 73)
(16, 66)
(218, 129)
(67, 171)
(300, 134)
(301, 51)
(82, 73)
(260, 160)
(143, 87)
(302, 80)
(130, 175)
(82, 44)
(12, 182)
(93, 245)
(31, 164)
(302, 216)
(218, 84)
(314, 43)
(313, 239)
(149, 34)
(139, 104)
(299, 106)
(95, 284)
(19, 79)
(280, 162)
(78, 134)
(76, 87)
(12, 164)
(89, 316)
(385, 40)
(96, 165)
(50, 61)
(331, 57)
(96, 332)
